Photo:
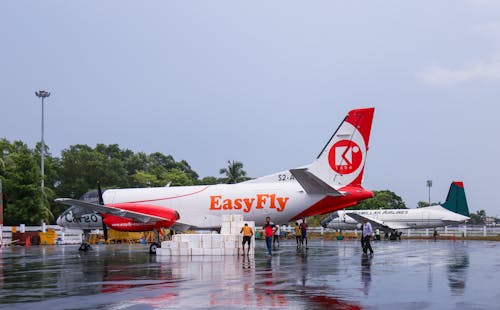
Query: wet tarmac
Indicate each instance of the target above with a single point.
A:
(408, 274)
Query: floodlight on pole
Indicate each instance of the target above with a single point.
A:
(42, 94)
(429, 185)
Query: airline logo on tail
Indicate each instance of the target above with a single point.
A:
(345, 157)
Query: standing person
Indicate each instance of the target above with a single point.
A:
(298, 234)
(365, 237)
(276, 236)
(377, 234)
(303, 230)
(247, 237)
(269, 231)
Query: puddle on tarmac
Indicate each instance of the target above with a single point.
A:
(330, 274)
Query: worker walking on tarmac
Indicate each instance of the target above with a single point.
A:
(366, 236)
(303, 231)
(298, 234)
(247, 237)
(276, 236)
(269, 231)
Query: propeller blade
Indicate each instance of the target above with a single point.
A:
(105, 231)
(101, 202)
(99, 192)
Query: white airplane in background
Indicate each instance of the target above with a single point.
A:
(331, 182)
(453, 211)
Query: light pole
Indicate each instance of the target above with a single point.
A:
(429, 185)
(42, 94)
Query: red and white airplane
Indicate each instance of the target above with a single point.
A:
(331, 182)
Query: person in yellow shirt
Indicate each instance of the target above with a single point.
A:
(247, 236)
(298, 234)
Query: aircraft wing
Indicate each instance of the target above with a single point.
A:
(329, 218)
(376, 223)
(104, 209)
(312, 184)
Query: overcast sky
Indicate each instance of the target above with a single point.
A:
(265, 83)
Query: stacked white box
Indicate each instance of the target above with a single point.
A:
(164, 251)
(229, 242)
(236, 218)
(225, 228)
(196, 251)
(168, 244)
(230, 251)
(216, 251)
(206, 241)
(173, 252)
(216, 241)
(227, 238)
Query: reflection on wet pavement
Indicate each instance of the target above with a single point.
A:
(330, 274)
(458, 262)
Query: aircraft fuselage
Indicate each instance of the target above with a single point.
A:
(428, 217)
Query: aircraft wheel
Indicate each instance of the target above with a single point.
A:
(84, 247)
(153, 247)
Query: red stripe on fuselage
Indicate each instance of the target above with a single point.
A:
(167, 198)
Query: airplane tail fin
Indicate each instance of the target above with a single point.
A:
(456, 201)
(341, 162)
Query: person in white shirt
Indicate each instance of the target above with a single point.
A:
(276, 236)
(366, 236)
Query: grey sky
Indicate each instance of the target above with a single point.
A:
(265, 83)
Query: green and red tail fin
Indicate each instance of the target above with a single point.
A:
(456, 201)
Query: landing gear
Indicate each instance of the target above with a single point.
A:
(157, 244)
(153, 247)
(84, 247)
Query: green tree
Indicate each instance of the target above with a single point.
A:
(478, 218)
(178, 178)
(186, 168)
(143, 179)
(210, 181)
(234, 172)
(82, 166)
(382, 200)
(422, 204)
(52, 180)
(21, 185)
(163, 169)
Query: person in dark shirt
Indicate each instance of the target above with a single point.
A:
(303, 230)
